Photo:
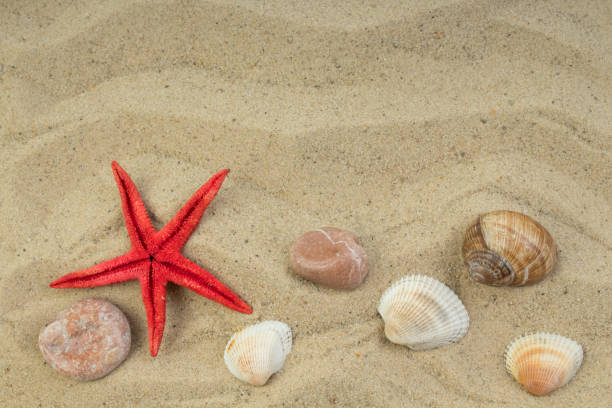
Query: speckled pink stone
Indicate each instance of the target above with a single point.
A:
(331, 257)
(87, 341)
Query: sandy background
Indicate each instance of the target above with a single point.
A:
(400, 122)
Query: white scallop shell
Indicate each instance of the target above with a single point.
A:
(543, 362)
(256, 352)
(422, 313)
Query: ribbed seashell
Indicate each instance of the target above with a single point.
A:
(543, 362)
(506, 248)
(422, 313)
(256, 352)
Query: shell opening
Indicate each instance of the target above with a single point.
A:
(486, 266)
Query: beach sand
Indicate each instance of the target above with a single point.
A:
(399, 122)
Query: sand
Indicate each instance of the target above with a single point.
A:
(399, 122)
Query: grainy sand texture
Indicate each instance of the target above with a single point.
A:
(400, 121)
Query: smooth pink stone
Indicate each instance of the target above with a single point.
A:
(331, 257)
(87, 341)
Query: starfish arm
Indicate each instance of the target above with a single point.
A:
(153, 285)
(120, 269)
(174, 235)
(137, 220)
(183, 272)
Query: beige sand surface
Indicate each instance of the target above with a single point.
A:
(399, 121)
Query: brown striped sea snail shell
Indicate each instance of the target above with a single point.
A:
(543, 362)
(506, 248)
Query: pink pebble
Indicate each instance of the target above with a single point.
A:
(330, 256)
(87, 341)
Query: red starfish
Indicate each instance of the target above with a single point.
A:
(155, 257)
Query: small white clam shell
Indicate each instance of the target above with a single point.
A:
(422, 313)
(256, 352)
(543, 362)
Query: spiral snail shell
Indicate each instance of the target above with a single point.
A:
(506, 248)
